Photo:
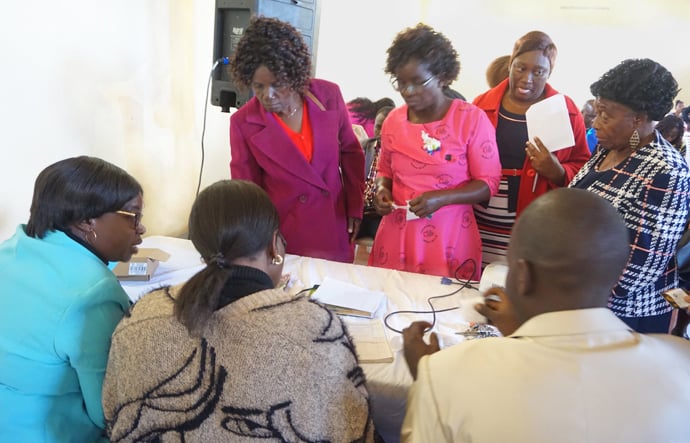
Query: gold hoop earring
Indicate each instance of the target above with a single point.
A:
(88, 240)
(277, 260)
(634, 140)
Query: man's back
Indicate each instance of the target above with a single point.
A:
(565, 376)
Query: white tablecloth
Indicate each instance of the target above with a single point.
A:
(388, 383)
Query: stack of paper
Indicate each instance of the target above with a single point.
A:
(371, 343)
(348, 299)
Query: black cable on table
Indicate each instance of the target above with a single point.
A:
(463, 284)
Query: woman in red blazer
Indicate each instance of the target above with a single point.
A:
(294, 139)
(529, 169)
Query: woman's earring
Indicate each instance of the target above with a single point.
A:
(88, 240)
(634, 140)
(277, 260)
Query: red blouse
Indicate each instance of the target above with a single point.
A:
(303, 139)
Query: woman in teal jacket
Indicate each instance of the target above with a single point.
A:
(59, 302)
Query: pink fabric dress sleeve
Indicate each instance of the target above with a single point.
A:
(484, 161)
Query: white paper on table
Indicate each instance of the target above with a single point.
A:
(549, 120)
(371, 342)
(349, 299)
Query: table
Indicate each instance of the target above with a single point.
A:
(388, 383)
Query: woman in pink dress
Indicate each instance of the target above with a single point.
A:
(438, 158)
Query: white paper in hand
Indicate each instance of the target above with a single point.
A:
(549, 120)
(493, 275)
(409, 215)
(470, 314)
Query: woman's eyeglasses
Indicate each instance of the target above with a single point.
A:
(136, 217)
(272, 90)
(409, 89)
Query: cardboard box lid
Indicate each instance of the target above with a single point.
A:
(141, 266)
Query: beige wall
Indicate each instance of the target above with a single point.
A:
(126, 80)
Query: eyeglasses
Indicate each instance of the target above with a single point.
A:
(409, 89)
(134, 215)
(279, 88)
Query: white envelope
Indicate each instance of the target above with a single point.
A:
(549, 120)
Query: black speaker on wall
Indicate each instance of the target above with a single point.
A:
(232, 18)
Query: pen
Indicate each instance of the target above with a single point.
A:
(534, 184)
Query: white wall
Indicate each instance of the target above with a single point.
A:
(591, 35)
(126, 80)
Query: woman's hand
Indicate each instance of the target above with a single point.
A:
(544, 162)
(427, 203)
(383, 202)
(353, 225)
(499, 313)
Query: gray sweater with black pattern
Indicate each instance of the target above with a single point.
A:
(269, 367)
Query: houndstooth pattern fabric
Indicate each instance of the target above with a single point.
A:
(651, 190)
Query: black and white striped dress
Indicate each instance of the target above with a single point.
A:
(495, 220)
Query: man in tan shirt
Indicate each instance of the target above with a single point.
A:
(567, 369)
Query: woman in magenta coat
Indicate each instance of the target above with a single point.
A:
(294, 139)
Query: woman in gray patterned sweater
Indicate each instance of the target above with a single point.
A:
(227, 356)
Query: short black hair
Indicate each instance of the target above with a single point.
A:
(642, 85)
(77, 189)
(278, 46)
(429, 47)
(667, 124)
(452, 93)
(365, 109)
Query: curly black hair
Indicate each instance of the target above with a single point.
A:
(278, 46)
(429, 47)
(642, 85)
